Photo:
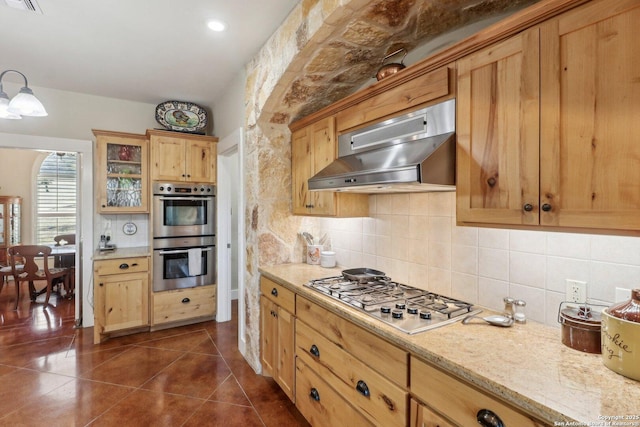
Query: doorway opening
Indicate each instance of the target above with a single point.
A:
(83, 312)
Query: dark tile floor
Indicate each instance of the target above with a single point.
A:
(53, 375)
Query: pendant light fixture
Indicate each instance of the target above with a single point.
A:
(23, 104)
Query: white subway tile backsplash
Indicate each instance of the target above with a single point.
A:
(440, 229)
(527, 241)
(441, 204)
(419, 204)
(616, 249)
(494, 238)
(464, 287)
(414, 239)
(605, 277)
(535, 299)
(493, 263)
(569, 245)
(561, 269)
(491, 293)
(527, 269)
(464, 259)
(439, 255)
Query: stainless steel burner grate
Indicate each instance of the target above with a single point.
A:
(404, 307)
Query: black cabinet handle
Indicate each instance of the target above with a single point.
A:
(101, 284)
(314, 350)
(363, 389)
(185, 300)
(315, 395)
(487, 418)
(135, 264)
(528, 207)
(274, 292)
(546, 207)
(124, 266)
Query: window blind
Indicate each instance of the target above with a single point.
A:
(56, 192)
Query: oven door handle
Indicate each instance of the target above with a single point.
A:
(181, 251)
(193, 199)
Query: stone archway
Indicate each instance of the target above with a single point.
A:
(324, 51)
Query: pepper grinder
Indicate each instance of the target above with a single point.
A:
(519, 315)
(509, 311)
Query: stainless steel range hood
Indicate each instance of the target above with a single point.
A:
(411, 153)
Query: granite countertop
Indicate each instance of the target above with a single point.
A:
(526, 364)
(137, 251)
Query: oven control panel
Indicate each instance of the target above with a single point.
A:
(183, 189)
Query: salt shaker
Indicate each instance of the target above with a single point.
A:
(509, 311)
(519, 315)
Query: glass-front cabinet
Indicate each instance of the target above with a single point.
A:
(122, 178)
(10, 224)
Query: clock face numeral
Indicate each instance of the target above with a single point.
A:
(129, 228)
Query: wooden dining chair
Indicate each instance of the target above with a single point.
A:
(31, 272)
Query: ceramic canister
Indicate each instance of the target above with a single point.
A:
(313, 254)
(621, 338)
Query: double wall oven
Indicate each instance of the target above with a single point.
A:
(184, 235)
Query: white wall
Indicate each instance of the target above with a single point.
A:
(229, 108)
(73, 115)
(414, 239)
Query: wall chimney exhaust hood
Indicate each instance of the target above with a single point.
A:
(415, 152)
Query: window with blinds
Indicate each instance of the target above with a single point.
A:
(56, 197)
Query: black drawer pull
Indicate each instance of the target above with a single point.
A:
(185, 300)
(363, 389)
(546, 207)
(528, 207)
(274, 292)
(135, 264)
(487, 418)
(315, 395)
(124, 266)
(314, 350)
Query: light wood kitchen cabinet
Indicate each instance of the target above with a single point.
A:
(458, 401)
(277, 333)
(122, 172)
(121, 289)
(367, 372)
(547, 127)
(423, 416)
(184, 305)
(10, 225)
(320, 404)
(426, 88)
(182, 157)
(312, 148)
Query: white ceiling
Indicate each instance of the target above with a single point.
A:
(141, 50)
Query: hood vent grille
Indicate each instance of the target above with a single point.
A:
(28, 5)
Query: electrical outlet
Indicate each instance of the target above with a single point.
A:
(576, 291)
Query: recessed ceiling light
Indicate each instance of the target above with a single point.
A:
(217, 25)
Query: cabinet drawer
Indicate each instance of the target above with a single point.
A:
(182, 304)
(121, 266)
(389, 360)
(278, 294)
(458, 401)
(371, 393)
(320, 404)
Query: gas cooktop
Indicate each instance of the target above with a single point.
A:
(404, 307)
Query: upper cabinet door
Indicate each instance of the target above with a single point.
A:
(498, 133)
(121, 181)
(167, 158)
(590, 129)
(201, 161)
